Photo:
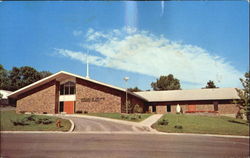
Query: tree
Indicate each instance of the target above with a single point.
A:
(210, 84)
(20, 77)
(244, 102)
(166, 83)
(44, 74)
(4, 80)
(136, 89)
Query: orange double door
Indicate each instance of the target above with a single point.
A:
(191, 107)
(67, 106)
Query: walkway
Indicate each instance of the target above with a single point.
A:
(151, 120)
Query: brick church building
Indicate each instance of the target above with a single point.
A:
(70, 93)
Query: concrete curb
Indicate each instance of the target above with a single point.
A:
(72, 126)
(123, 132)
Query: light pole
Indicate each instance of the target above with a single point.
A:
(126, 79)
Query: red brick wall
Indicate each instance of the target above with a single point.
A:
(39, 100)
(224, 107)
(96, 98)
(227, 109)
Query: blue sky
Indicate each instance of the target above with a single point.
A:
(195, 41)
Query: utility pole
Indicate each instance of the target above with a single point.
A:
(126, 102)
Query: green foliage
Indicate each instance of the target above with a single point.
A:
(135, 89)
(31, 119)
(4, 80)
(178, 126)
(244, 102)
(27, 122)
(163, 122)
(119, 116)
(211, 84)
(203, 124)
(166, 83)
(19, 77)
(137, 109)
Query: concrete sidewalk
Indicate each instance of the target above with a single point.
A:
(151, 120)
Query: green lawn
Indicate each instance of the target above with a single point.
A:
(31, 123)
(126, 117)
(203, 124)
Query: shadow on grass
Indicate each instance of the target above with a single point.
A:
(233, 121)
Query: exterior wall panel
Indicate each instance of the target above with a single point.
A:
(39, 100)
(95, 98)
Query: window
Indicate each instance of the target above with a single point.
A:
(216, 108)
(168, 108)
(67, 88)
(61, 108)
(153, 108)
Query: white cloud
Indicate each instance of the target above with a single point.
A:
(77, 33)
(141, 52)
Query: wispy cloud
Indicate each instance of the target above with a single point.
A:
(142, 52)
(77, 33)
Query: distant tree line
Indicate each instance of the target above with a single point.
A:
(20, 77)
(169, 82)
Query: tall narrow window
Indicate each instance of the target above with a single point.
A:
(153, 108)
(61, 108)
(168, 108)
(216, 108)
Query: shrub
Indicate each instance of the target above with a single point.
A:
(137, 109)
(22, 112)
(133, 117)
(19, 122)
(46, 122)
(30, 118)
(79, 111)
(85, 112)
(178, 126)
(139, 116)
(163, 122)
(124, 116)
(39, 121)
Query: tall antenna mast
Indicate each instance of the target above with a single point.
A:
(87, 71)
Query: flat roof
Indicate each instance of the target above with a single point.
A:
(190, 95)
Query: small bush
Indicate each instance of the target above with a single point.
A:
(31, 118)
(139, 116)
(79, 111)
(137, 109)
(44, 112)
(134, 117)
(178, 126)
(19, 122)
(163, 122)
(22, 112)
(46, 122)
(122, 116)
(85, 112)
(39, 121)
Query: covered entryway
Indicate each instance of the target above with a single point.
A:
(67, 106)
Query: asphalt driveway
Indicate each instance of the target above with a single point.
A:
(87, 125)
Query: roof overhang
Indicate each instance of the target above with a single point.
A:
(61, 76)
